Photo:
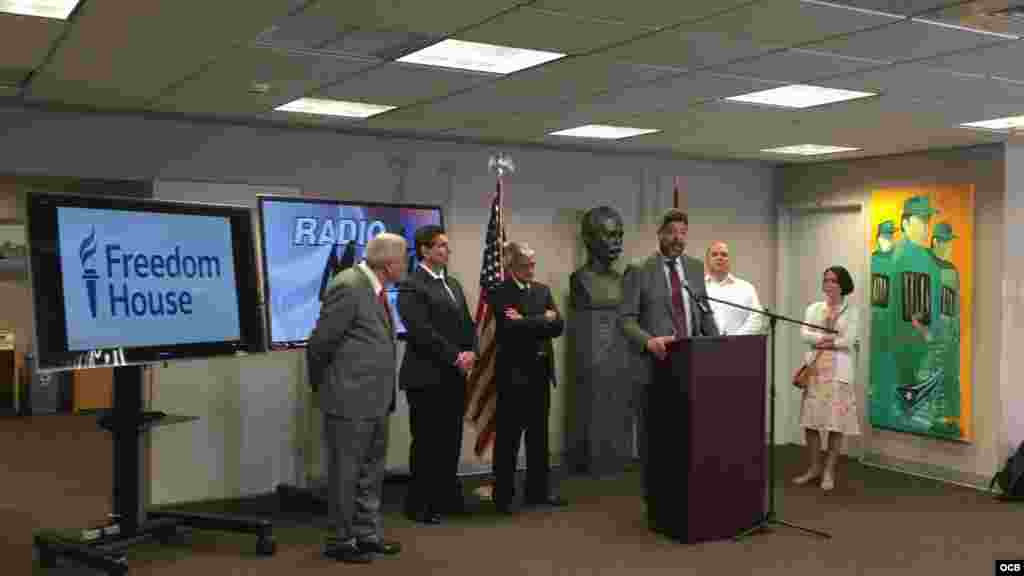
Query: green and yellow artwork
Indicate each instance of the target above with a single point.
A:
(921, 285)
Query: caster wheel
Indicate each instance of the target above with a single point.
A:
(46, 559)
(266, 546)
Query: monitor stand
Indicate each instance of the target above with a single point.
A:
(101, 548)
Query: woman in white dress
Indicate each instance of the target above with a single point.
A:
(830, 401)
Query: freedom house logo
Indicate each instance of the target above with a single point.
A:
(130, 276)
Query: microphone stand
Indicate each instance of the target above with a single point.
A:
(769, 517)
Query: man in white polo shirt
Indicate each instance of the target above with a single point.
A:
(721, 284)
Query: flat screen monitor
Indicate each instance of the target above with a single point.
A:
(307, 241)
(119, 281)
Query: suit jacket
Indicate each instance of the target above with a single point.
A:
(646, 309)
(522, 342)
(437, 330)
(352, 353)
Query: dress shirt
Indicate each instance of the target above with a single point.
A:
(439, 276)
(734, 321)
(678, 265)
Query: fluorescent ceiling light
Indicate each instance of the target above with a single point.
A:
(59, 9)
(809, 149)
(1007, 123)
(603, 131)
(334, 108)
(799, 96)
(479, 57)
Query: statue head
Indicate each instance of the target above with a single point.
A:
(602, 231)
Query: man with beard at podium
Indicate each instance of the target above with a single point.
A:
(656, 310)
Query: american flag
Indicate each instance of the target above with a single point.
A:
(481, 390)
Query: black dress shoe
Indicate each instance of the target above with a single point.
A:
(457, 506)
(426, 517)
(348, 552)
(553, 501)
(379, 547)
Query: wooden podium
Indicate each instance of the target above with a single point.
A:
(706, 438)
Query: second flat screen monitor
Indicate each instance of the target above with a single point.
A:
(306, 242)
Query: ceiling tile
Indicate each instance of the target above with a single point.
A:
(381, 44)
(436, 17)
(903, 7)
(402, 84)
(798, 65)
(511, 127)
(426, 118)
(922, 83)
(123, 53)
(556, 86)
(224, 87)
(905, 40)
(646, 12)
(675, 94)
(552, 31)
(307, 29)
(688, 50)
(27, 40)
(788, 22)
(1003, 60)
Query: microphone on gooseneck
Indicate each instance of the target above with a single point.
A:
(701, 303)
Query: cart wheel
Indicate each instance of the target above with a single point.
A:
(266, 546)
(47, 559)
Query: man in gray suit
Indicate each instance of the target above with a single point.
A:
(352, 363)
(661, 303)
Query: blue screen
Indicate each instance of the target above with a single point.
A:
(306, 242)
(146, 279)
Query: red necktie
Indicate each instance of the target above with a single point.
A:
(679, 318)
(382, 297)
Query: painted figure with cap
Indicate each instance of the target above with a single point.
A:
(948, 307)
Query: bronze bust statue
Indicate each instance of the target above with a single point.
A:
(597, 284)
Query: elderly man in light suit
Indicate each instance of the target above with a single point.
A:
(352, 363)
(661, 303)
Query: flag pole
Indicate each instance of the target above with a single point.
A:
(481, 386)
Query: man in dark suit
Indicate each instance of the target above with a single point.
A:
(662, 302)
(526, 321)
(440, 351)
(352, 363)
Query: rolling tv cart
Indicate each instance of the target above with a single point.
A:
(101, 548)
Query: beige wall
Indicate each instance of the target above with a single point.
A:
(852, 182)
(253, 420)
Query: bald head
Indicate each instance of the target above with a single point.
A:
(718, 261)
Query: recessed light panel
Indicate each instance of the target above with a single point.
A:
(479, 57)
(604, 132)
(799, 96)
(58, 9)
(1006, 123)
(326, 107)
(809, 149)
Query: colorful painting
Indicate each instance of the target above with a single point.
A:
(922, 249)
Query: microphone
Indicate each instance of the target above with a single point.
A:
(700, 302)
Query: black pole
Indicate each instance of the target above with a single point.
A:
(769, 516)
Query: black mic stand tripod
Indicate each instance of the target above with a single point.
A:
(769, 516)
